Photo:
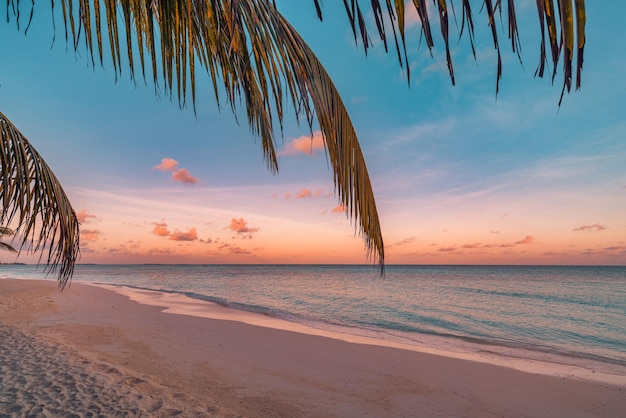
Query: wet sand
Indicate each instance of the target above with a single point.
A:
(89, 351)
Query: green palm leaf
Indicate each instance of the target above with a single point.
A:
(33, 198)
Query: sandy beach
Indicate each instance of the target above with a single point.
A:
(88, 351)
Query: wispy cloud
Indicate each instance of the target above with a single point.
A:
(304, 193)
(303, 145)
(338, 209)
(89, 234)
(526, 240)
(594, 227)
(404, 241)
(180, 175)
(84, 217)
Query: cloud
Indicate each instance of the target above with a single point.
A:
(594, 227)
(84, 217)
(181, 175)
(307, 193)
(338, 209)
(527, 240)
(167, 164)
(446, 249)
(190, 235)
(303, 145)
(241, 228)
(494, 232)
(404, 241)
(304, 194)
(472, 245)
(233, 249)
(89, 234)
(160, 229)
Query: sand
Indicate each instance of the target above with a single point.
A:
(91, 352)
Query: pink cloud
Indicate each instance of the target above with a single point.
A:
(304, 193)
(338, 209)
(527, 240)
(241, 228)
(167, 164)
(594, 227)
(89, 234)
(160, 229)
(181, 175)
(303, 145)
(472, 245)
(446, 249)
(84, 217)
(190, 235)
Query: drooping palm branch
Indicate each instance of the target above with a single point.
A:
(261, 61)
(4, 231)
(33, 198)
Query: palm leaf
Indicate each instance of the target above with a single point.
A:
(260, 61)
(6, 247)
(547, 19)
(33, 198)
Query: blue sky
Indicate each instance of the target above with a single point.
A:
(459, 176)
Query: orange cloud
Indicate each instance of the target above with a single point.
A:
(527, 240)
(241, 228)
(89, 234)
(160, 229)
(594, 227)
(84, 217)
(181, 175)
(304, 193)
(303, 145)
(167, 164)
(190, 235)
(338, 209)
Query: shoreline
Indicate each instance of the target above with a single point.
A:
(518, 359)
(187, 366)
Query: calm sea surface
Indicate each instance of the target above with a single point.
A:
(575, 314)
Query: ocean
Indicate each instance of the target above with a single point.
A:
(573, 315)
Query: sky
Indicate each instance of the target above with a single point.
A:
(460, 176)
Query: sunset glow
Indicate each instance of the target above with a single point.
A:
(460, 177)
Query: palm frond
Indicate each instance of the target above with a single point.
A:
(7, 247)
(33, 198)
(4, 231)
(260, 61)
(561, 36)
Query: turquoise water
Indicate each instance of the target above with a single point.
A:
(577, 314)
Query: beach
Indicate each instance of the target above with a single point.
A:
(89, 351)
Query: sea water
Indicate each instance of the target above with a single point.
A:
(563, 314)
